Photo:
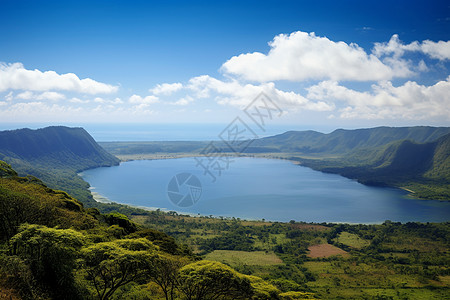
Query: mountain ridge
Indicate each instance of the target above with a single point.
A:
(423, 167)
(340, 141)
(55, 154)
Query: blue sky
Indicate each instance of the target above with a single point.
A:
(325, 63)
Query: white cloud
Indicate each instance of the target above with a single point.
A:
(77, 100)
(184, 101)
(16, 77)
(107, 101)
(395, 47)
(438, 50)
(385, 101)
(99, 100)
(28, 95)
(302, 56)
(9, 96)
(38, 110)
(136, 99)
(116, 101)
(166, 88)
(234, 93)
(50, 96)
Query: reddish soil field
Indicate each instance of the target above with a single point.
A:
(325, 250)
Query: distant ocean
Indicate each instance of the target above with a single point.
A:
(155, 132)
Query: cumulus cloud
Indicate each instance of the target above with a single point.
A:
(437, 50)
(9, 96)
(166, 88)
(301, 56)
(136, 99)
(16, 77)
(37, 110)
(27, 95)
(184, 101)
(77, 100)
(385, 101)
(50, 96)
(232, 92)
(107, 101)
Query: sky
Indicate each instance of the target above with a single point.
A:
(323, 64)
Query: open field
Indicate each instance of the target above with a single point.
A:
(325, 250)
(237, 258)
(352, 240)
(386, 261)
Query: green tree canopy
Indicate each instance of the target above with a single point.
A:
(210, 280)
(111, 265)
(51, 255)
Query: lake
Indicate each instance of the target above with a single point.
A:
(257, 188)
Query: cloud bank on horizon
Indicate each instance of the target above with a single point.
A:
(334, 78)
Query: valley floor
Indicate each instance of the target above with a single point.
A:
(334, 261)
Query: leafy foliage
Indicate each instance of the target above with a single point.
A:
(50, 254)
(111, 265)
(27, 200)
(210, 280)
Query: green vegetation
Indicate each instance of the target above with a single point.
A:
(388, 261)
(422, 168)
(51, 247)
(241, 258)
(55, 155)
(351, 240)
(57, 247)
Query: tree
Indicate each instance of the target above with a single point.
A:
(262, 290)
(210, 280)
(111, 265)
(164, 272)
(51, 255)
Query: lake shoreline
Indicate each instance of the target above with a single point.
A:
(282, 156)
(155, 198)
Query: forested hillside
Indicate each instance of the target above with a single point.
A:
(55, 155)
(422, 167)
(342, 141)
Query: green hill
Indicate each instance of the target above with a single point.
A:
(343, 141)
(421, 167)
(55, 154)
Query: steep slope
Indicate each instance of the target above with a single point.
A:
(56, 145)
(342, 141)
(441, 160)
(29, 200)
(423, 167)
(55, 154)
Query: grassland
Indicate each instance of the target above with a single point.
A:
(240, 258)
(388, 261)
(352, 240)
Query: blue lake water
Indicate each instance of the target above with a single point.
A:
(256, 188)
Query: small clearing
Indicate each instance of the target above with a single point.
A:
(325, 250)
(237, 258)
